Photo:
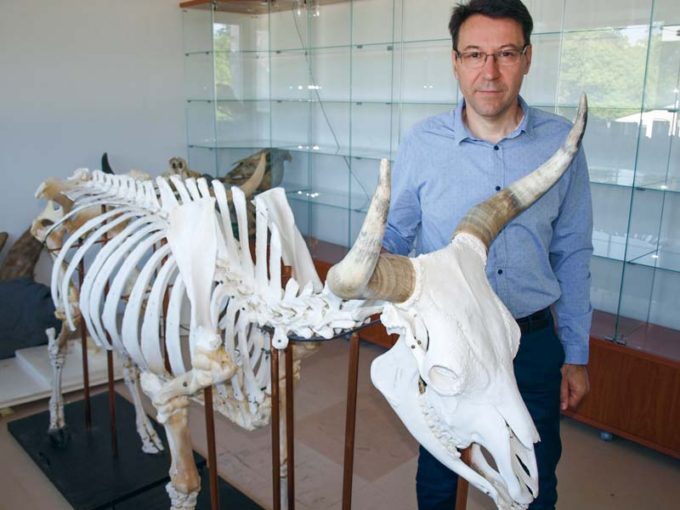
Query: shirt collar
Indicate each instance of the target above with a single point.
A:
(462, 133)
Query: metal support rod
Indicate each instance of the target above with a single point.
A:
(463, 484)
(350, 421)
(276, 438)
(83, 342)
(290, 427)
(112, 404)
(164, 322)
(110, 375)
(212, 451)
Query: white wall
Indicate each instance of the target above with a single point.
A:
(80, 77)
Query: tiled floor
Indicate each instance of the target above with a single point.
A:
(593, 474)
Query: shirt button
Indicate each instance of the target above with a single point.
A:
(498, 188)
(495, 147)
(500, 271)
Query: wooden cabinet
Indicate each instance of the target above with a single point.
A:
(634, 394)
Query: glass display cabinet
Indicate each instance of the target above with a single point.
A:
(335, 84)
(311, 79)
(628, 60)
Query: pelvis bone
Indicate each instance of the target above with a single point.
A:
(450, 376)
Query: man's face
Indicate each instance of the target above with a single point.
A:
(491, 90)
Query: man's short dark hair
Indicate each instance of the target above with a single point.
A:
(512, 9)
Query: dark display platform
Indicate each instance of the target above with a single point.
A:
(87, 474)
(157, 498)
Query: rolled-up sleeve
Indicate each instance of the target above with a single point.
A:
(570, 253)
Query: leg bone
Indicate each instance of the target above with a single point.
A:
(56, 348)
(151, 443)
(173, 414)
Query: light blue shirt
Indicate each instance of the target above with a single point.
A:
(540, 258)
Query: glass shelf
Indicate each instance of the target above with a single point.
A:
(392, 45)
(236, 144)
(328, 150)
(225, 52)
(593, 110)
(387, 45)
(354, 101)
(613, 247)
(542, 33)
(640, 251)
(203, 53)
(355, 152)
(659, 259)
(629, 179)
(219, 100)
(339, 200)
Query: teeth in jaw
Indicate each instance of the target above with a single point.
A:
(439, 428)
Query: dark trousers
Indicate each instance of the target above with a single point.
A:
(537, 370)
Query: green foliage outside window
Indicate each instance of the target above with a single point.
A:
(610, 66)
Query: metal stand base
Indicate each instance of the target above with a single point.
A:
(90, 477)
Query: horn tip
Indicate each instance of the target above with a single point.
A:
(385, 170)
(582, 116)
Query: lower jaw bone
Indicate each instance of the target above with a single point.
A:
(396, 376)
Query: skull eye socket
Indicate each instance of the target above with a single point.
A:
(46, 223)
(444, 380)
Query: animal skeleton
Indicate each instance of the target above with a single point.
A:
(449, 377)
(231, 297)
(49, 228)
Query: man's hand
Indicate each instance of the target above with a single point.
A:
(575, 385)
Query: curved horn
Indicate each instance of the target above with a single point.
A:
(106, 167)
(487, 219)
(364, 272)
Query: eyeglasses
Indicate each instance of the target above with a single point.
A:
(474, 59)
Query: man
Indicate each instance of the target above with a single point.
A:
(451, 162)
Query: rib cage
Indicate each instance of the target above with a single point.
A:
(133, 265)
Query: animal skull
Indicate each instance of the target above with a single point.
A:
(450, 376)
(458, 340)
